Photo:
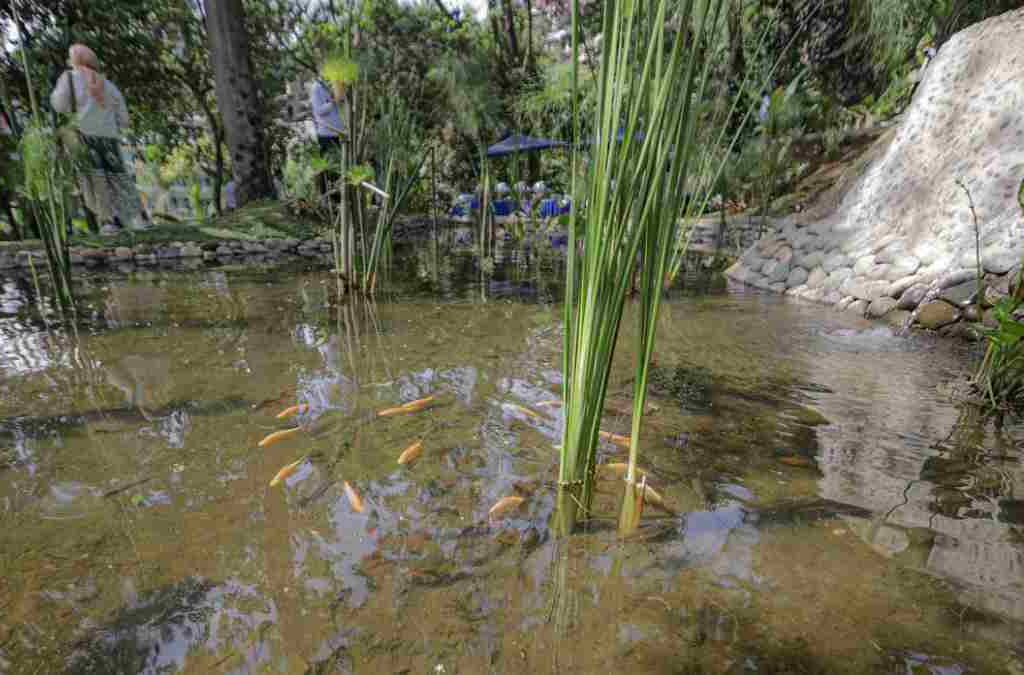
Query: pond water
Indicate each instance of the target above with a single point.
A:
(831, 511)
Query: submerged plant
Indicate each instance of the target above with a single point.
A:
(645, 126)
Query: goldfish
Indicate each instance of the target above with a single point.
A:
(654, 499)
(353, 498)
(622, 441)
(270, 439)
(286, 471)
(411, 454)
(619, 469)
(504, 505)
(294, 410)
(410, 407)
(796, 460)
(525, 411)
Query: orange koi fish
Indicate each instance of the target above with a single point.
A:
(411, 407)
(277, 436)
(288, 413)
(286, 471)
(621, 441)
(411, 454)
(504, 505)
(354, 500)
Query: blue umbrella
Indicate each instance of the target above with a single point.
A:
(518, 143)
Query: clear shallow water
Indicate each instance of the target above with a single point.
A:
(833, 511)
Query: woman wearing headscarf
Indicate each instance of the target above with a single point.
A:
(101, 116)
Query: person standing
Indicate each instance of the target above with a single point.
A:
(101, 116)
(325, 104)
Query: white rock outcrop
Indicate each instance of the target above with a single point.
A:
(906, 223)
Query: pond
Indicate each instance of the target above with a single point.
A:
(830, 510)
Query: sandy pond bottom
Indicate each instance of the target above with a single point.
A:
(832, 511)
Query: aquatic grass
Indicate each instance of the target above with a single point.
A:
(645, 126)
(1000, 376)
(400, 171)
(48, 185)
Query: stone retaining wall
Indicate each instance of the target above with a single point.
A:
(148, 255)
(903, 233)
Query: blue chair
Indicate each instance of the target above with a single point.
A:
(503, 207)
(549, 208)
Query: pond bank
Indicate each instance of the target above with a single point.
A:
(23, 255)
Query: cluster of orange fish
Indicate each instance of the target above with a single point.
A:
(502, 507)
(354, 498)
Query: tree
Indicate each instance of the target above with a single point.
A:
(238, 98)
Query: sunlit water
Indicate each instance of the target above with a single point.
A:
(832, 510)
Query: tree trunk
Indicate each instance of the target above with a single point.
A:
(238, 98)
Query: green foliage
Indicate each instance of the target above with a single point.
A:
(1001, 375)
(646, 87)
(340, 69)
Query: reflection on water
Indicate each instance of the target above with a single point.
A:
(832, 511)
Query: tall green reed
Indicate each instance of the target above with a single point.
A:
(49, 181)
(649, 85)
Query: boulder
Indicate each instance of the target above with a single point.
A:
(960, 293)
(775, 270)
(835, 261)
(837, 278)
(936, 314)
(999, 260)
(880, 307)
(898, 287)
(912, 297)
(816, 279)
(898, 318)
(797, 276)
(858, 307)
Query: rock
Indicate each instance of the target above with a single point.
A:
(960, 293)
(837, 278)
(191, 250)
(866, 290)
(254, 247)
(775, 270)
(880, 272)
(971, 313)
(835, 261)
(999, 260)
(797, 276)
(209, 245)
(903, 267)
(209, 255)
(223, 250)
(864, 265)
(76, 258)
(898, 318)
(959, 330)
(777, 287)
(816, 279)
(289, 244)
(857, 307)
(989, 320)
(784, 255)
(145, 259)
(810, 260)
(898, 287)
(912, 297)
(956, 278)
(122, 253)
(169, 251)
(843, 302)
(936, 314)
(880, 307)
(7, 261)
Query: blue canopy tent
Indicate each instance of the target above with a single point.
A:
(518, 143)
